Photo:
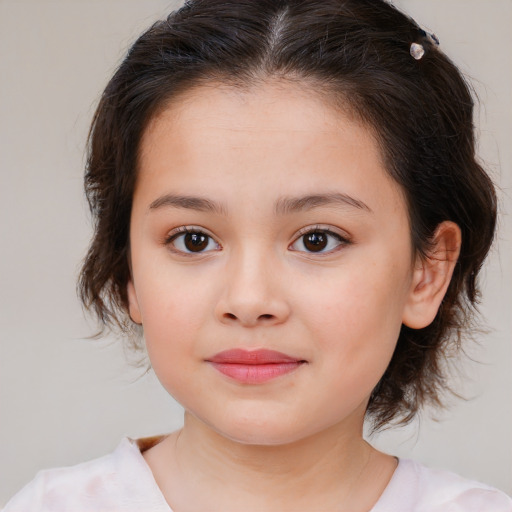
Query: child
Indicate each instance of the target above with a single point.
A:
(288, 207)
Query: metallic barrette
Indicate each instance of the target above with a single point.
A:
(417, 50)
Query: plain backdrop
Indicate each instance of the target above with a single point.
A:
(64, 398)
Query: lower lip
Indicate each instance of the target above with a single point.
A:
(256, 373)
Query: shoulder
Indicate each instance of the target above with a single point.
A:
(417, 488)
(118, 481)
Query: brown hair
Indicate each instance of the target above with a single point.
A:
(356, 51)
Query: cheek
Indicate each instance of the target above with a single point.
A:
(358, 313)
(355, 337)
(170, 330)
(174, 310)
(170, 296)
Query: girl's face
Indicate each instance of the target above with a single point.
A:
(264, 220)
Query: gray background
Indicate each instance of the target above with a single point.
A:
(65, 399)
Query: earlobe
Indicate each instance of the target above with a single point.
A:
(432, 276)
(133, 303)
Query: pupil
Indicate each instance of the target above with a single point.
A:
(196, 242)
(315, 242)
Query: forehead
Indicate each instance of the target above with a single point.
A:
(278, 133)
(267, 109)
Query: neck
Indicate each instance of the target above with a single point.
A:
(333, 466)
(198, 442)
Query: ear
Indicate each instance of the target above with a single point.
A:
(133, 303)
(432, 276)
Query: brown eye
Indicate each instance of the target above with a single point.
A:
(192, 242)
(196, 242)
(315, 242)
(320, 241)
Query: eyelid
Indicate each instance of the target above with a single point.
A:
(186, 229)
(326, 228)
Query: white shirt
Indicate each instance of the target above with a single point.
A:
(122, 481)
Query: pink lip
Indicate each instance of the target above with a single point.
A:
(255, 366)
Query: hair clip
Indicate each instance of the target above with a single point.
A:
(417, 50)
(433, 39)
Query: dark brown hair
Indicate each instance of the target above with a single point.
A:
(354, 52)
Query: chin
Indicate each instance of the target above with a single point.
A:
(262, 433)
(262, 438)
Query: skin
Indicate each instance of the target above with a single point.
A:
(295, 442)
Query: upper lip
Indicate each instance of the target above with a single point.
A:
(252, 357)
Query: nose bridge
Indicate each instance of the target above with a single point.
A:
(252, 293)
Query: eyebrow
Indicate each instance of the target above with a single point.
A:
(188, 202)
(287, 205)
(283, 206)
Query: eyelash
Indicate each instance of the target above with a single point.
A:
(192, 230)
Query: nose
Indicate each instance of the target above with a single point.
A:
(252, 294)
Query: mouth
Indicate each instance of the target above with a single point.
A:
(254, 366)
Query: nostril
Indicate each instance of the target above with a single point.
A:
(231, 316)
